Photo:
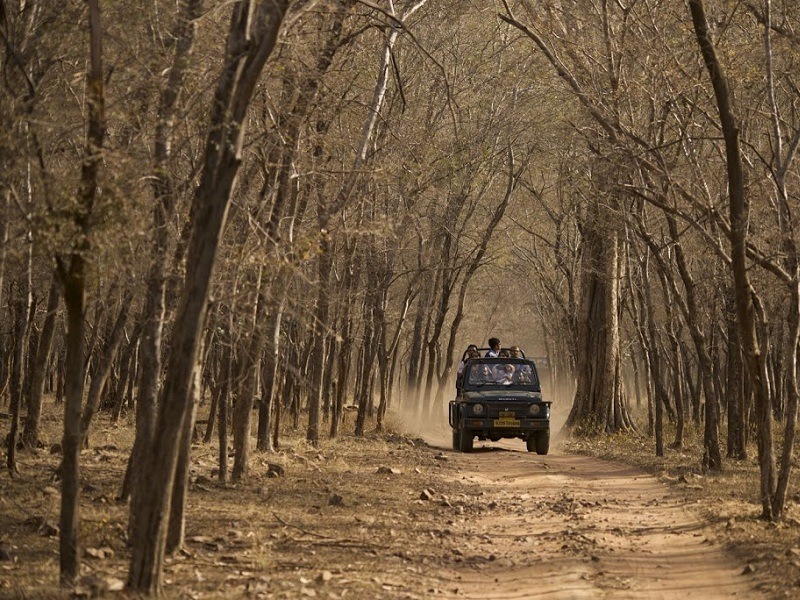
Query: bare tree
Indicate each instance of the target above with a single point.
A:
(73, 273)
(252, 36)
(738, 211)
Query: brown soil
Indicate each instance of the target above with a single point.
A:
(389, 516)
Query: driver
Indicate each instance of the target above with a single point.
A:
(481, 374)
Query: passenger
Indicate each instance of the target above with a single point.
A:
(494, 348)
(481, 374)
(504, 354)
(515, 352)
(522, 374)
(505, 375)
(471, 352)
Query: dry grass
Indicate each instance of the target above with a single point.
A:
(332, 527)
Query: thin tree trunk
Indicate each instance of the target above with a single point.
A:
(71, 443)
(30, 436)
(367, 365)
(781, 166)
(127, 373)
(660, 393)
(247, 376)
(20, 317)
(320, 334)
(105, 363)
(177, 520)
(739, 215)
(343, 366)
(212, 410)
(73, 279)
(223, 403)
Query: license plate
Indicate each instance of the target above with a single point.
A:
(506, 423)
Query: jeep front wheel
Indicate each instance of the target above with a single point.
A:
(539, 441)
(465, 440)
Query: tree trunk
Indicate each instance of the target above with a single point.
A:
(368, 362)
(226, 373)
(30, 436)
(735, 383)
(127, 374)
(20, 316)
(596, 407)
(739, 215)
(247, 375)
(660, 393)
(343, 365)
(320, 334)
(253, 32)
(73, 383)
(177, 520)
(104, 364)
(73, 279)
(154, 309)
(780, 168)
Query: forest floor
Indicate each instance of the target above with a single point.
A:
(397, 516)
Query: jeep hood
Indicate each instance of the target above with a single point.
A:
(502, 396)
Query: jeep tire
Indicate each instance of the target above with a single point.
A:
(539, 442)
(465, 440)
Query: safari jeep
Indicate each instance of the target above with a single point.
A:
(500, 398)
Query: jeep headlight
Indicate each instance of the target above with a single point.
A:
(477, 409)
(535, 409)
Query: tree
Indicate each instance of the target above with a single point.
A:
(252, 36)
(739, 209)
(73, 273)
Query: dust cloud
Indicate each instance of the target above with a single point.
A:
(432, 427)
(435, 429)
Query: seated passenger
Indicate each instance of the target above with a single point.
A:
(494, 348)
(522, 374)
(481, 374)
(505, 375)
(515, 352)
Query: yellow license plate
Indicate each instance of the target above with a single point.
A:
(506, 422)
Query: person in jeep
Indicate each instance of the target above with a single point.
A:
(471, 352)
(505, 374)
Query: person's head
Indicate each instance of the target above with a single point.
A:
(494, 344)
(515, 352)
(504, 354)
(471, 347)
(473, 353)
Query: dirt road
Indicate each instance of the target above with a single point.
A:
(389, 517)
(563, 526)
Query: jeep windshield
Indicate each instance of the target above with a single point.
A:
(505, 373)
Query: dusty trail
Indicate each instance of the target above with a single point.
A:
(563, 526)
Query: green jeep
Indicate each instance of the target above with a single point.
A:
(500, 398)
